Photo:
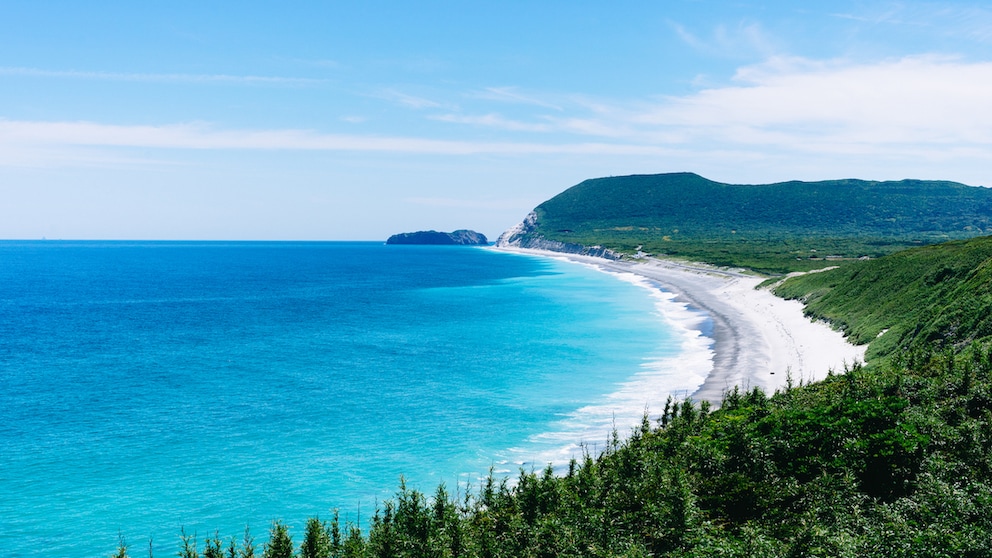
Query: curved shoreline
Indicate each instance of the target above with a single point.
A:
(759, 339)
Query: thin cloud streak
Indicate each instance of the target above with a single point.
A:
(159, 78)
(732, 42)
(510, 95)
(202, 137)
(493, 121)
(407, 100)
(971, 22)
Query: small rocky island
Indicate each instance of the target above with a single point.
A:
(460, 237)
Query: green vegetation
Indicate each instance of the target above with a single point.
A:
(892, 462)
(789, 226)
(939, 296)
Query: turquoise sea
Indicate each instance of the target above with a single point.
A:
(151, 386)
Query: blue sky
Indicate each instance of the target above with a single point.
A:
(333, 120)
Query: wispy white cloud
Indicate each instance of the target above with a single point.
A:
(73, 156)
(745, 38)
(927, 101)
(159, 78)
(881, 13)
(615, 125)
(204, 137)
(574, 115)
(513, 95)
(493, 120)
(408, 100)
(971, 22)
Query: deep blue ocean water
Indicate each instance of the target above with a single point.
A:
(146, 387)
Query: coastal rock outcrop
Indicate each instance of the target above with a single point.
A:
(524, 235)
(460, 237)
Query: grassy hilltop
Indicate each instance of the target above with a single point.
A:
(788, 226)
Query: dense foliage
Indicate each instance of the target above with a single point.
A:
(935, 296)
(780, 227)
(894, 461)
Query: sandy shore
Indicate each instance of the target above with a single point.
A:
(758, 338)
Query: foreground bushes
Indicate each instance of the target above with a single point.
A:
(890, 462)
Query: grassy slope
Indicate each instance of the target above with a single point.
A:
(936, 295)
(773, 227)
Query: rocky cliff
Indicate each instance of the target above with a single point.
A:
(523, 235)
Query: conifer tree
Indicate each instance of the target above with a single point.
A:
(354, 545)
(213, 548)
(317, 540)
(247, 545)
(280, 544)
(189, 546)
(336, 543)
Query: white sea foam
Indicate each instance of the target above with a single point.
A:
(768, 340)
(590, 427)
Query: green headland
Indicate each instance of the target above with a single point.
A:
(775, 228)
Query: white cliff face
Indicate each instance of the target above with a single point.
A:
(521, 236)
(514, 235)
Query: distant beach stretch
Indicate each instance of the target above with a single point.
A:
(759, 339)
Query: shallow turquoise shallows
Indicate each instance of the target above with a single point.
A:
(149, 387)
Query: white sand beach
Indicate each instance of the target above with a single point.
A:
(759, 339)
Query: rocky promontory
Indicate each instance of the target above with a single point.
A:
(460, 237)
(525, 235)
